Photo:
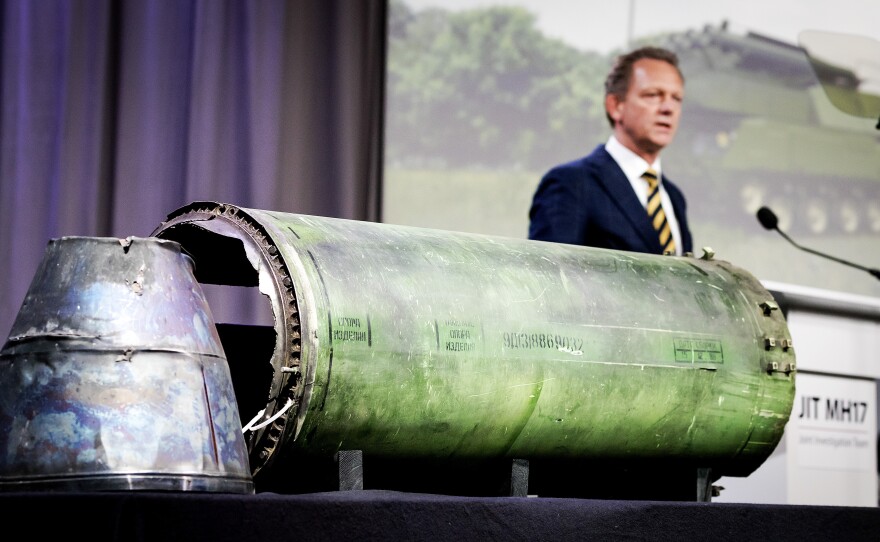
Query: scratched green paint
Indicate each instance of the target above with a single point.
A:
(437, 344)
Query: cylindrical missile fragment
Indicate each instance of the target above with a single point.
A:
(411, 342)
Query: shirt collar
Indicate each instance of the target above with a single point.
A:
(632, 164)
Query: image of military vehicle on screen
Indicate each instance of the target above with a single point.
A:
(789, 126)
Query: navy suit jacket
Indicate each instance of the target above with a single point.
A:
(590, 202)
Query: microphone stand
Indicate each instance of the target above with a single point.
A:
(772, 217)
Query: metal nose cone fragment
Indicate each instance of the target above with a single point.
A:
(113, 376)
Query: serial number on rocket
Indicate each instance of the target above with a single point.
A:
(549, 341)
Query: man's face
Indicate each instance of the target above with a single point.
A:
(647, 118)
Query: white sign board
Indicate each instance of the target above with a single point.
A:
(831, 440)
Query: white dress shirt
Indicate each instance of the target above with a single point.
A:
(634, 166)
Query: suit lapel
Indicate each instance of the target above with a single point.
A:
(622, 195)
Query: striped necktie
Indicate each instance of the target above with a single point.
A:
(656, 214)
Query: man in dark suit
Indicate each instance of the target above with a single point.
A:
(604, 200)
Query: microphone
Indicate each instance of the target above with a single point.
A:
(768, 219)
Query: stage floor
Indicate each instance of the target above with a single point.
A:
(392, 515)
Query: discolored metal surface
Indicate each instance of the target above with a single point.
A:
(410, 342)
(113, 376)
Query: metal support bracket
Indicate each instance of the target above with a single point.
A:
(704, 486)
(519, 478)
(350, 464)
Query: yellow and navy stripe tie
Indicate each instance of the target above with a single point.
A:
(656, 214)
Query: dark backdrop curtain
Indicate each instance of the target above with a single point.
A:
(115, 113)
